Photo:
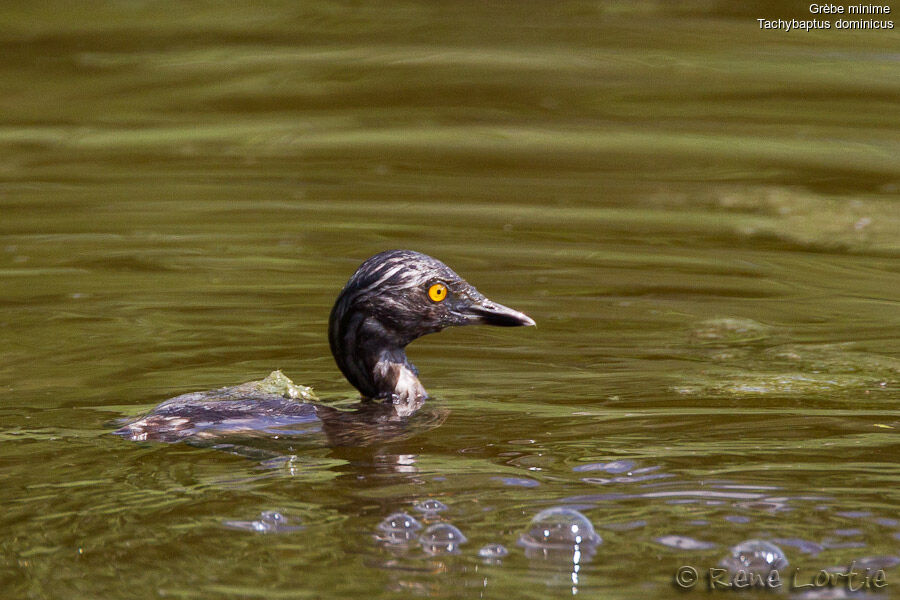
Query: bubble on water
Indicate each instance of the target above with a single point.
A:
(493, 551)
(430, 506)
(442, 538)
(559, 528)
(755, 555)
(269, 521)
(563, 536)
(271, 516)
(399, 521)
(398, 528)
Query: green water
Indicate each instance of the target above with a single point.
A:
(701, 216)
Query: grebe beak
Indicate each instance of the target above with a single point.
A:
(486, 312)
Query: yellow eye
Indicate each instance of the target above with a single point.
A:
(437, 292)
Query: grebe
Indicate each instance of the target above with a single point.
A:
(393, 298)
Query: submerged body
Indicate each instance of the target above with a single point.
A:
(392, 299)
(272, 405)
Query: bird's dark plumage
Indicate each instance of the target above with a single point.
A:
(393, 298)
(386, 305)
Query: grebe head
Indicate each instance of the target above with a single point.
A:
(392, 299)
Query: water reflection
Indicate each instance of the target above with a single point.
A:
(371, 423)
(275, 409)
(682, 542)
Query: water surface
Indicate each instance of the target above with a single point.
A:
(701, 217)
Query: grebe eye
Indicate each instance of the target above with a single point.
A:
(437, 292)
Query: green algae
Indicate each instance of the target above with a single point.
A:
(747, 360)
(280, 384)
(275, 383)
(728, 330)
